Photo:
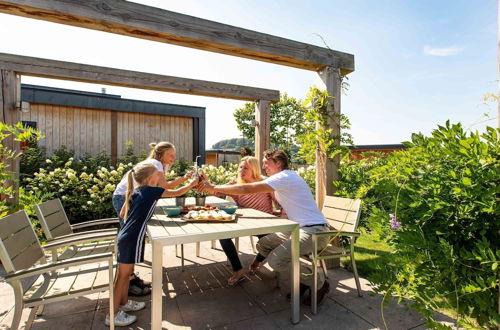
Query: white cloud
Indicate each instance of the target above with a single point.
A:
(445, 51)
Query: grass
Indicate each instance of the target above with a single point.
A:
(370, 252)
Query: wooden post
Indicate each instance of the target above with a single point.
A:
(262, 128)
(10, 87)
(328, 170)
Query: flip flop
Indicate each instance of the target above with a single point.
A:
(235, 282)
(253, 269)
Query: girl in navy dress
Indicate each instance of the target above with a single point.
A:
(140, 201)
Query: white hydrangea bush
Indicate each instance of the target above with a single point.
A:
(85, 196)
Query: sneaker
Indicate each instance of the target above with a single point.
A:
(122, 319)
(136, 280)
(320, 295)
(136, 291)
(133, 306)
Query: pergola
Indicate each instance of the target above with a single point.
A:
(140, 21)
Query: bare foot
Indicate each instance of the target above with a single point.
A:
(236, 278)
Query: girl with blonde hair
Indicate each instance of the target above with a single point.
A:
(162, 156)
(140, 200)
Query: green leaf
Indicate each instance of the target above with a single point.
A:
(466, 181)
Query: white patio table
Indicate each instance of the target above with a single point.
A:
(163, 230)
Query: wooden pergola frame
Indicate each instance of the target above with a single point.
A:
(140, 21)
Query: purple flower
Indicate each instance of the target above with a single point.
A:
(394, 222)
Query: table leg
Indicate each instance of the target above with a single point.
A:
(157, 285)
(295, 277)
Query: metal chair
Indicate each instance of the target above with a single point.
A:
(342, 215)
(56, 227)
(20, 250)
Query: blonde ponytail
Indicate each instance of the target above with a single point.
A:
(138, 175)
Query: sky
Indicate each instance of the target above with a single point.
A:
(418, 62)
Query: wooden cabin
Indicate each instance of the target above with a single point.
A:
(89, 123)
(219, 157)
(363, 151)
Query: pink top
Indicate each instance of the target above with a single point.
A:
(260, 201)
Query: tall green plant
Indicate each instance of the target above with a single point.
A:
(19, 133)
(443, 195)
(318, 111)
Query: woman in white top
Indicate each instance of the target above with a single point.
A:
(162, 155)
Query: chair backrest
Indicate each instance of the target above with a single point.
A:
(53, 219)
(342, 213)
(19, 245)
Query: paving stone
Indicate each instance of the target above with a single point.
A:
(196, 279)
(259, 323)
(217, 307)
(79, 321)
(171, 317)
(262, 288)
(76, 305)
(330, 316)
(396, 316)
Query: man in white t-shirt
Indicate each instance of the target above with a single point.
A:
(294, 195)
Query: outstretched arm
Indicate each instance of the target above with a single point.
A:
(236, 189)
(181, 191)
(174, 183)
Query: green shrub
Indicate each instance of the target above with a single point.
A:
(180, 167)
(309, 175)
(443, 191)
(85, 196)
(31, 160)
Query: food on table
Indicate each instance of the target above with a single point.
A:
(199, 208)
(208, 215)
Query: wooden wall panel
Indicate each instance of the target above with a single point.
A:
(76, 130)
(89, 131)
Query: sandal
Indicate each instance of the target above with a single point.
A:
(254, 267)
(233, 280)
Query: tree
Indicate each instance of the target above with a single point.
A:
(235, 143)
(286, 117)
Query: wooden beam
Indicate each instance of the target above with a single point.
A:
(262, 128)
(39, 67)
(140, 21)
(10, 86)
(327, 170)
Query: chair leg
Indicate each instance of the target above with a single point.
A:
(18, 307)
(198, 249)
(176, 251)
(40, 310)
(237, 243)
(182, 257)
(213, 245)
(356, 277)
(254, 249)
(314, 288)
(323, 266)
